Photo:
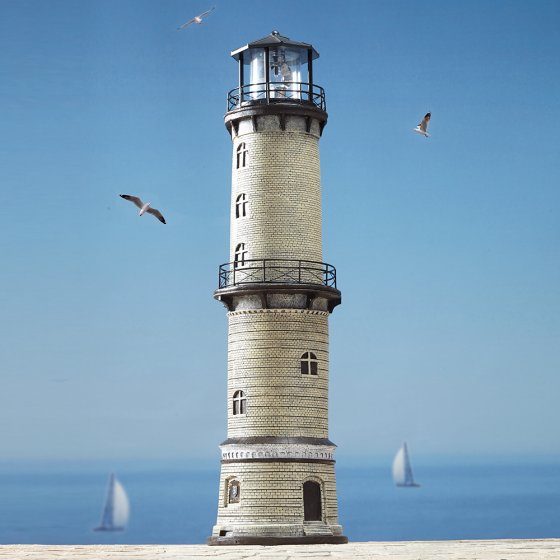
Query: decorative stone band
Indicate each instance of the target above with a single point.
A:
(268, 449)
(254, 311)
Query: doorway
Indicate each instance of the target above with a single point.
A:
(312, 510)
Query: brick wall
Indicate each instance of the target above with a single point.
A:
(264, 351)
(272, 493)
(282, 184)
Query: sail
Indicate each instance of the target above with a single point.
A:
(120, 506)
(399, 476)
(116, 508)
(402, 471)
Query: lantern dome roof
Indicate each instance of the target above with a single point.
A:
(275, 40)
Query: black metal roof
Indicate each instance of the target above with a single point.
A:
(273, 40)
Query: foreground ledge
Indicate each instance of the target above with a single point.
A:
(522, 549)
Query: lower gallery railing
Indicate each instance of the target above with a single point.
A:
(278, 271)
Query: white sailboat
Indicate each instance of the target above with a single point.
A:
(402, 471)
(116, 509)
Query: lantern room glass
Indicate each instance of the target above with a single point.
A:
(287, 75)
(285, 71)
(254, 75)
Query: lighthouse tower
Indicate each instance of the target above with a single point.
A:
(277, 482)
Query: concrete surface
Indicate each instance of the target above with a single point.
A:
(544, 549)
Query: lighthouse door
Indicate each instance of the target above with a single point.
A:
(311, 501)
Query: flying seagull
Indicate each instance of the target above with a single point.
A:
(197, 19)
(144, 207)
(422, 127)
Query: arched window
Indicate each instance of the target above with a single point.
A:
(241, 206)
(240, 254)
(309, 364)
(241, 155)
(239, 403)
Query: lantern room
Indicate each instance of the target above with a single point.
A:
(275, 69)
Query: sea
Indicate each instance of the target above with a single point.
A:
(177, 503)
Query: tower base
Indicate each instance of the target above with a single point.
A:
(309, 532)
(274, 541)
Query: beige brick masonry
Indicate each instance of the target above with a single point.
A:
(282, 484)
(282, 186)
(264, 356)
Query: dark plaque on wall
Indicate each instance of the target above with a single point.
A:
(233, 495)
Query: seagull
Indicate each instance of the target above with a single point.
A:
(144, 207)
(197, 19)
(422, 127)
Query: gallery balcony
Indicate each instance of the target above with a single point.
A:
(309, 280)
(299, 93)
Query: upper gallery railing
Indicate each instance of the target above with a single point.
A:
(277, 92)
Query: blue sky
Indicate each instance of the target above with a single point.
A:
(447, 249)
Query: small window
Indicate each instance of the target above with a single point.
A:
(239, 403)
(309, 364)
(240, 254)
(241, 155)
(241, 206)
(234, 491)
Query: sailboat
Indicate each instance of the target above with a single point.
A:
(402, 471)
(116, 509)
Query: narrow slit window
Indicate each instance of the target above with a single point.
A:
(241, 206)
(309, 364)
(242, 155)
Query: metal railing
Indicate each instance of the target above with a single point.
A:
(277, 92)
(278, 271)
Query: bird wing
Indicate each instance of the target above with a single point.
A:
(424, 124)
(187, 23)
(207, 12)
(134, 199)
(155, 212)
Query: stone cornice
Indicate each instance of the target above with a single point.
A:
(279, 310)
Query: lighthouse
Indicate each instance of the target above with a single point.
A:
(277, 480)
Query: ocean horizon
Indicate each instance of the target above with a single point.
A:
(61, 503)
